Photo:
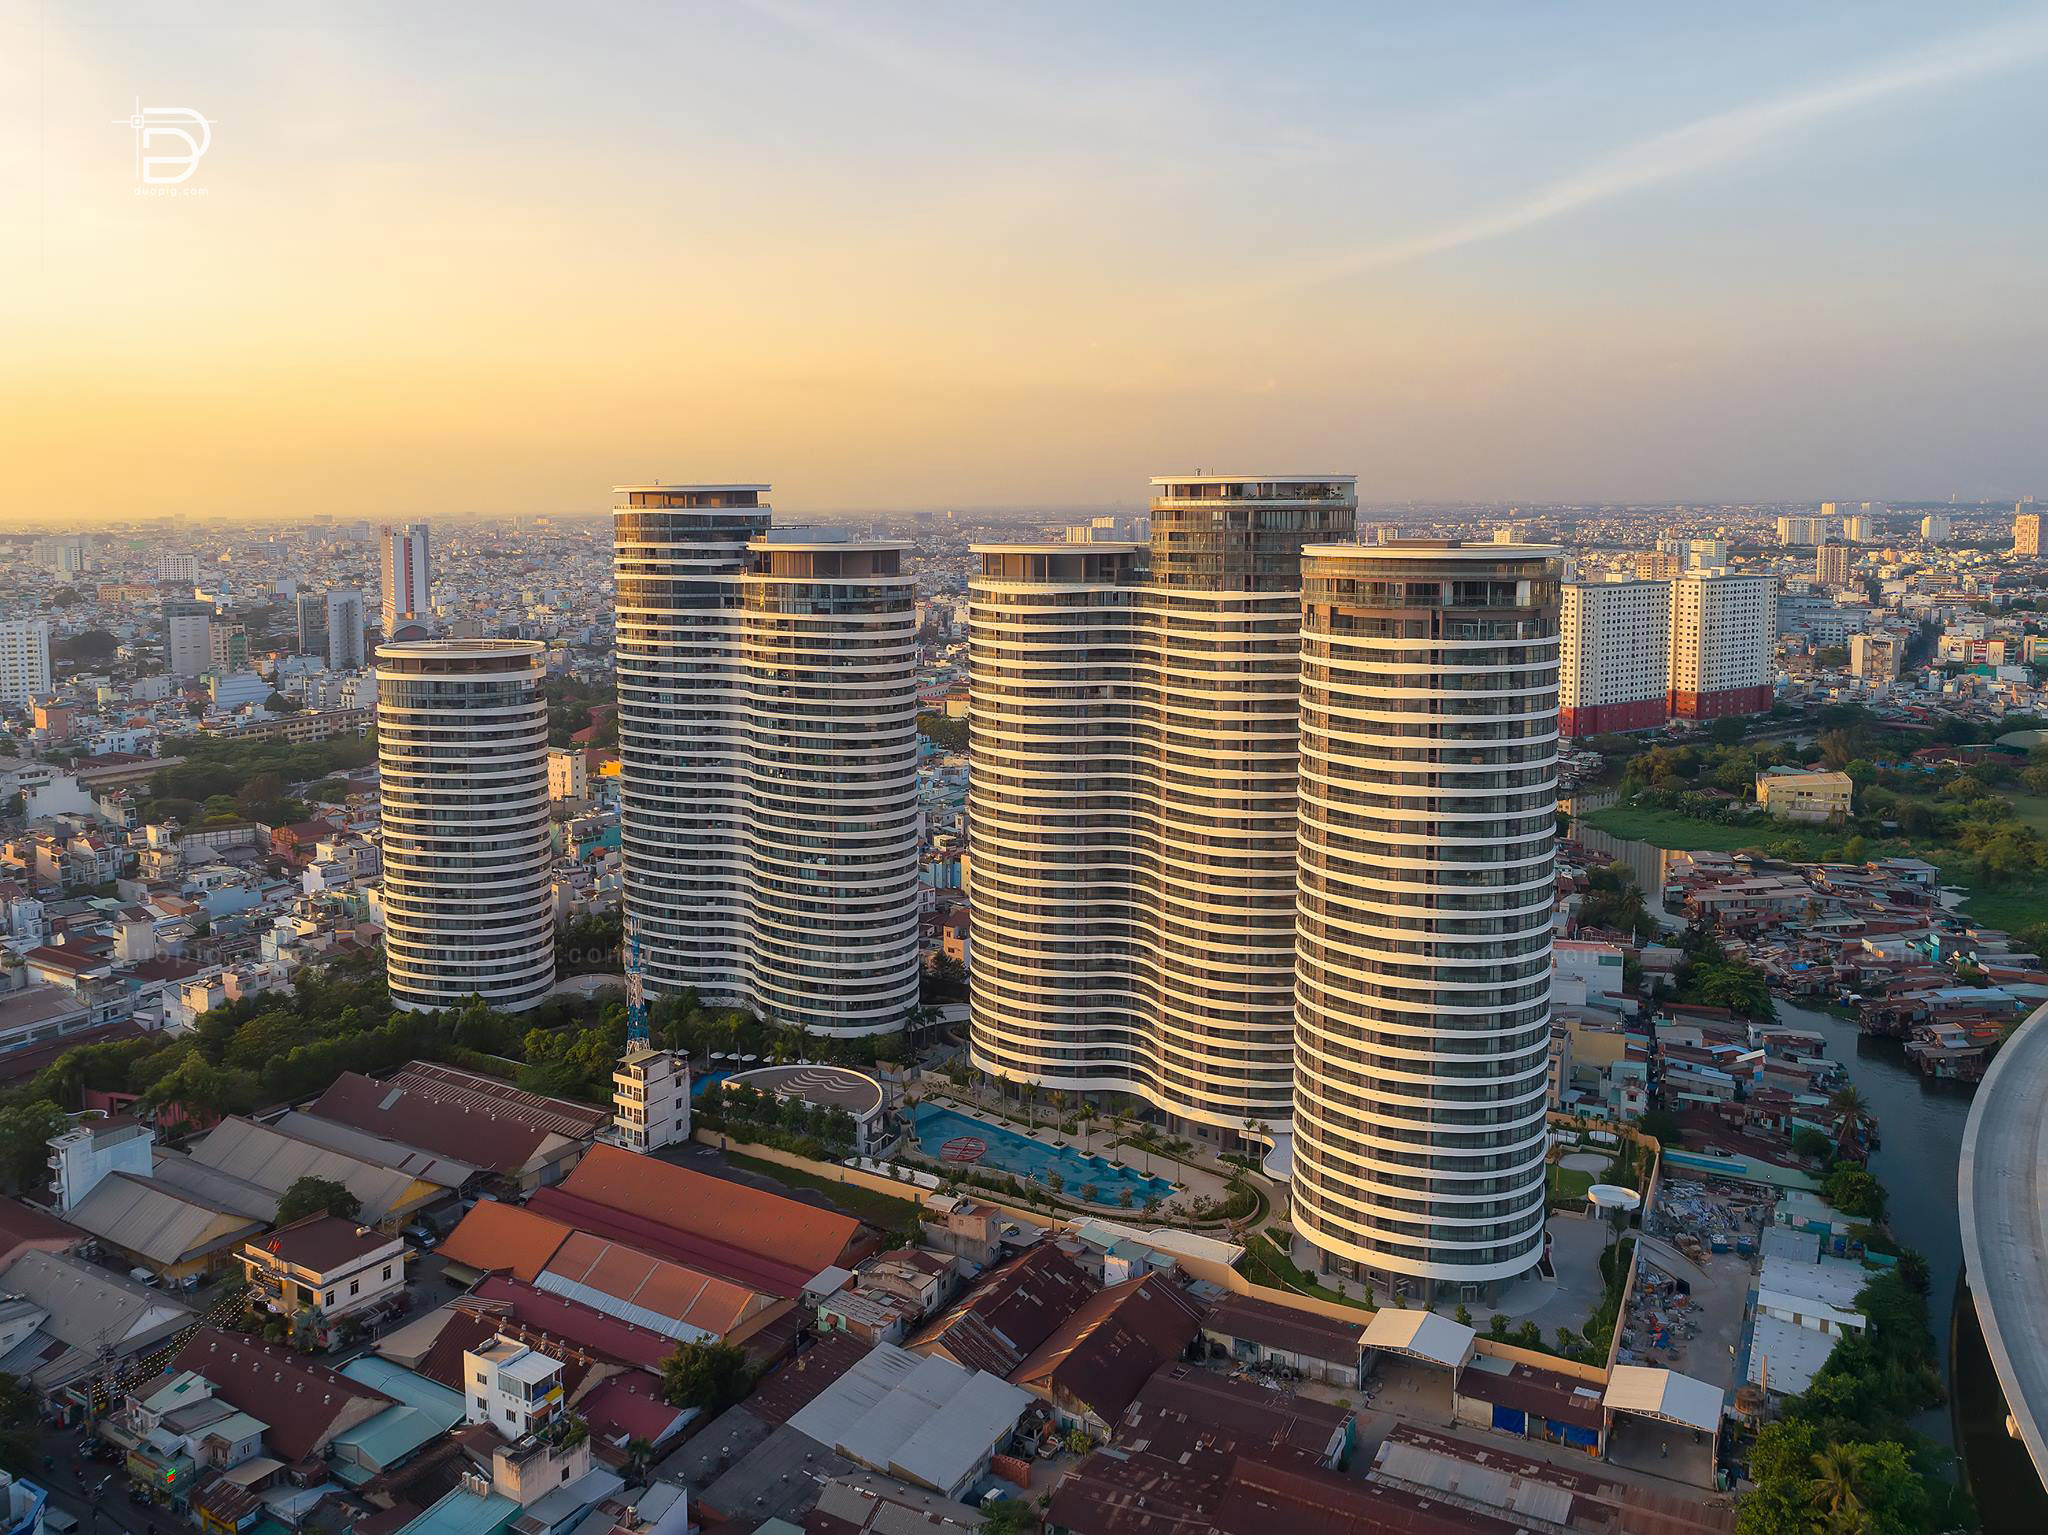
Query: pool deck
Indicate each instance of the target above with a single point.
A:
(1196, 1181)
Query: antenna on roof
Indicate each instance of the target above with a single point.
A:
(636, 997)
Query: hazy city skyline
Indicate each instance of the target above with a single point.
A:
(465, 261)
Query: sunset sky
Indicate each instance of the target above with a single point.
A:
(460, 257)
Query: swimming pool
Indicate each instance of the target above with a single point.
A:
(959, 1140)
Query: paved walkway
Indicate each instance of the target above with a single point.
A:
(1566, 1301)
(587, 985)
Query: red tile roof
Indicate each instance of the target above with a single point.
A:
(579, 1324)
(481, 1135)
(507, 1238)
(1286, 1327)
(1266, 1494)
(303, 1404)
(616, 1275)
(1105, 1352)
(763, 1240)
(995, 1325)
(630, 1406)
(797, 1382)
(22, 1227)
(321, 1243)
(18, 1065)
(1544, 1393)
(1186, 1411)
(466, 1329)
(473, 1090)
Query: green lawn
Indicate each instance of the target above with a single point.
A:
(2029, 810)
(1265, 1264)
(1673, 830)
(1569, 1184)
(876, 1209)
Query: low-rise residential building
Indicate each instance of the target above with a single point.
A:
(91, 1149)
(510, 1386)
(1792, 795)
(326, 1264)
(650, 1099)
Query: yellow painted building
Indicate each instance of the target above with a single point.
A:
(1799, 796)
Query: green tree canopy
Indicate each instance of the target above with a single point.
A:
(709, 1376)
(317, 1196)
(25, 1131)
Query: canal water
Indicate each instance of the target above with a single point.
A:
(1920, 1124)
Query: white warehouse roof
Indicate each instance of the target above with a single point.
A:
(1666, 1394)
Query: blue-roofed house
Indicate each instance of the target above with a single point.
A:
(423, 1410)
(465, 1512)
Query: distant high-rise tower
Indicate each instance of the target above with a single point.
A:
(1614, 666)
(227, 646)
(1858, 529)
(188, 641)
(1831, 564)
(1809, 531)
(345, 631)
(1724, 630)
(408, 579)
(1935, 528)
(2026, 534)
(312, 615)
(24, 660)
(1427, 880)
(63, 556)
(768, 759)
(181, 568)
(1132, 799)
(462, 741)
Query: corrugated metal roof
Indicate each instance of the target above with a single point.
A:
(273, 1160)
(433, 1166)
(141, 1216)
(674, 1300)
(1490, 1485)
(926, 1420)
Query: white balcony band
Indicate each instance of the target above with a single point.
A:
(462, 762)
(1427, 869)
(1131, 804)
(768, 756)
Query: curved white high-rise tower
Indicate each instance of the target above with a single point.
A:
(462, 739)
(768, 758)
(1427, 874)
(1131, 806)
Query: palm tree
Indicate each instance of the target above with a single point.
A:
(1850, 1106)
(639, 1460)
(785, 1043)
(1834, 1494)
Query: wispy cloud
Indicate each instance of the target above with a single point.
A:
(1703, 144)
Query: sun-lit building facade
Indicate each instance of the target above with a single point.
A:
(1427, 880)
(768, 758)
(1131, 803)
